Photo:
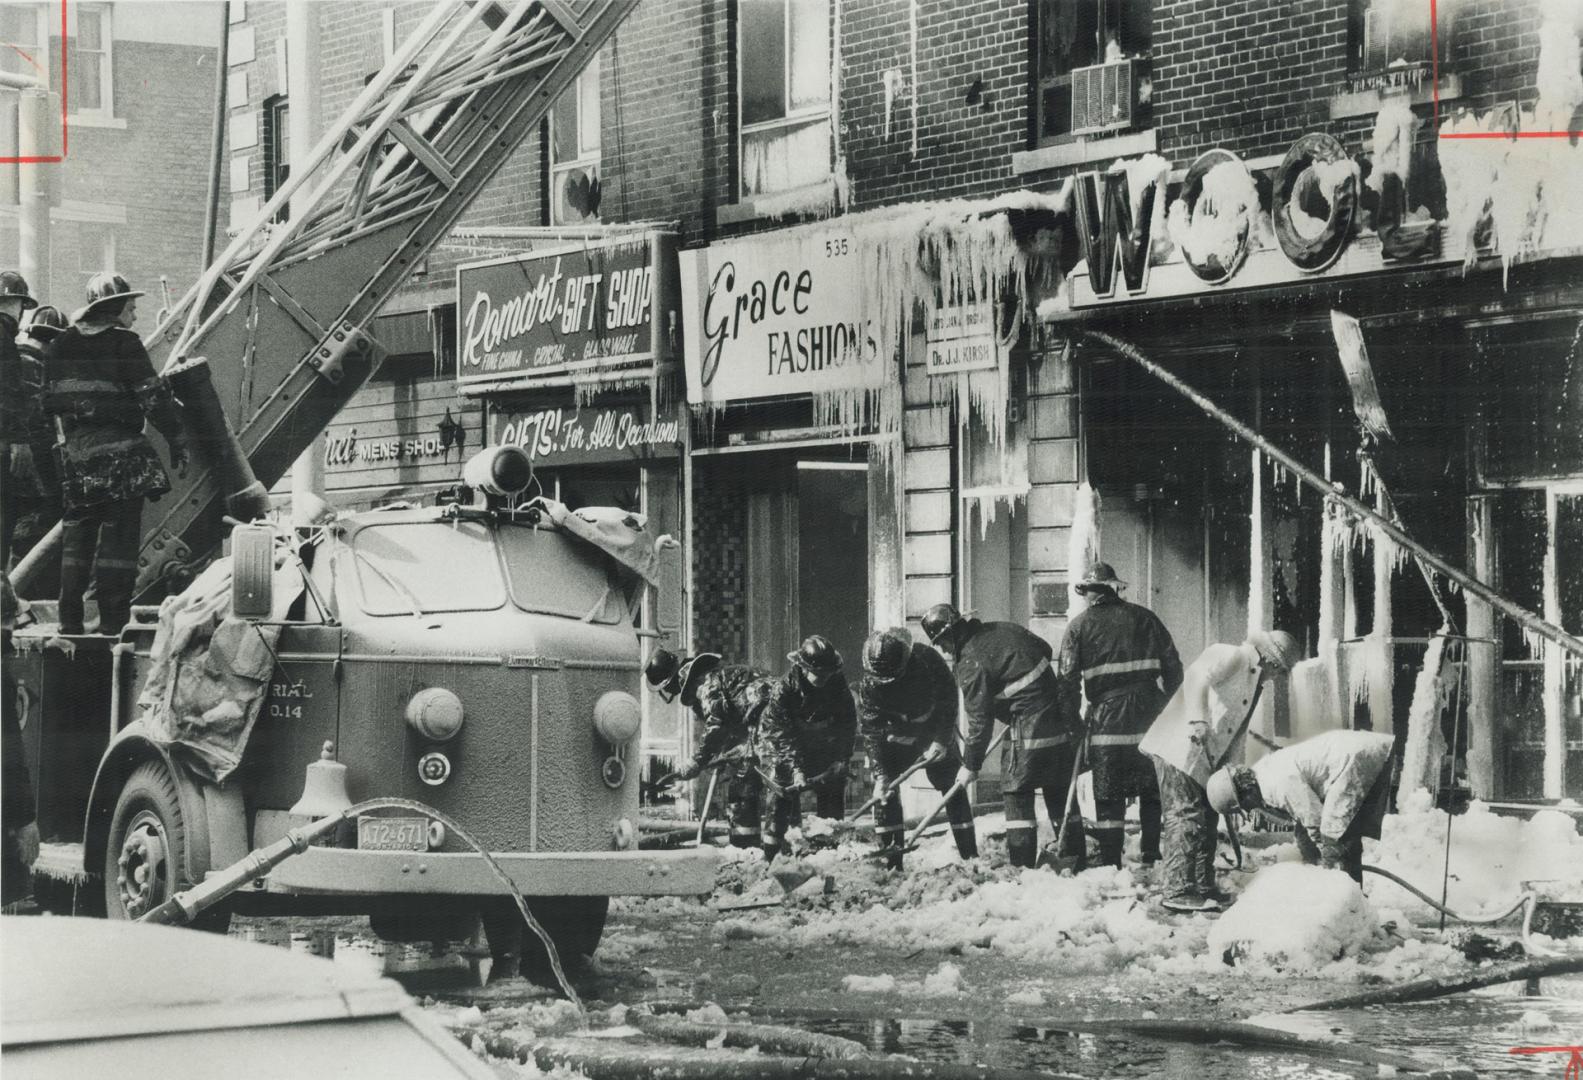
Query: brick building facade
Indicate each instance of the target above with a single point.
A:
(791, 121)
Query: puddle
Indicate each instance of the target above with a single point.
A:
(419, 967)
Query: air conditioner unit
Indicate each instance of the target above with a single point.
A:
(574, 194)
(1104, 96)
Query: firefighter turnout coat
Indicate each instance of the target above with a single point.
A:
(804, 727)
(1118, 650)
(1004, 673)
(730, 699)
(901, 718)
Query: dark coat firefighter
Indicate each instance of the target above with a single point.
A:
(22, 422)
(727, 700)
(31, 482)
(907, 709)
(1199, 730)
(1127, 666)
(805, 738)
(100, 388)
(1004, 673)
(1335, 787)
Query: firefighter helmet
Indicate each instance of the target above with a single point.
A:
(691, 673)
(1278, 646)
(46, 324)
(886, 653)
(13, 286)
(817, 655)
(660, 673)
(939, 621)
(1234, 789)
(105, 288)
(1100, 576)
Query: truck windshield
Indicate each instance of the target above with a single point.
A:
(555, 574)
(415, 567)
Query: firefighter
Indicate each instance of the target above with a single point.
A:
(1127, 666)
(906, 709)
(1335, 787)
(31, 472)
(1004, 673)
(727, 699)
(100, 388)
(1199, 730)
(805, 738)
(20, 406)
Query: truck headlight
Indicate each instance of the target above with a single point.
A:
(435, 713)
(617, 717)
(624, 834)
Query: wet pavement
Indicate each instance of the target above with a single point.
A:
(670, 956)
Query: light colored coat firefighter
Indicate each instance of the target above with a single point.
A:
(1199, 729)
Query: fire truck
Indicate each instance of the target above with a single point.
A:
(479, 657)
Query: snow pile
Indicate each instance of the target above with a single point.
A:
(708, 1013)
(1491, 855)
(943, 981)
(1216, 231)
(1295, 917)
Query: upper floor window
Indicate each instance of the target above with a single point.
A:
(1394, 37)
(277, 149)
(88, 63)
(783, 58)
(21, 49)
(574, 151)
(1093, 66)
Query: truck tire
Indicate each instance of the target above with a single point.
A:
(433, 919)
(146, 849)
(574, 923)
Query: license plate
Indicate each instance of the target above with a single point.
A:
(393, 833)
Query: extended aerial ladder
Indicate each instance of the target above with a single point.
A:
(272, 341)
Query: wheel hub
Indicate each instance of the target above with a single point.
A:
(141, 868)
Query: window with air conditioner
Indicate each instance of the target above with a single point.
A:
(574, 152)
(783, 71)
(1387, 37)
(1093, 67)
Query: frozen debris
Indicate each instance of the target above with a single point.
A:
(708, 1013)
(945, 979)
(1222, 218)
(1295, 918)
(1394, 127)
(1491, 856)
(869, 984)
(1426, 743)
(1029, 996)
(1534, 1021)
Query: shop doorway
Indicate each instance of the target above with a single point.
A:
(832, 555)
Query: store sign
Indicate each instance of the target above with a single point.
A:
(555, 314)
(391, 436)
(1315, 175)
(961, 339)
(565, 435)
(776, 315)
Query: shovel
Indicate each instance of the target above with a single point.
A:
(703, 811)
(890, 788)
(939, 808)
(1059, 862)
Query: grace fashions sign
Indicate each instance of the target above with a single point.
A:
(777, 315)
(563, 435)
(528, 318)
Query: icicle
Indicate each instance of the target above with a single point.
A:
(1082, 543)
(1257, 569)
(1312, 695)
(1393, 142)
(1425, 746)
(1378, 664)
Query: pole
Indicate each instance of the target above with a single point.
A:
(211, 216)
(1519, 615)
(35, 139)
(302, 96)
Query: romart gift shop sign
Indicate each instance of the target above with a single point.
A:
(572, 311)
(771, 316)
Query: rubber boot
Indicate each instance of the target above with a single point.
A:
(1022, 847)
(503, 927)
(966, 838)
(1149, 818)
(770, 851)
(1110, 829)
(891, 844)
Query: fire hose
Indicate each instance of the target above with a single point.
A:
(185, 906)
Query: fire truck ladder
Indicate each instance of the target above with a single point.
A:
(281, 316)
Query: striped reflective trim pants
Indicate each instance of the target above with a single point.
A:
(743, 794)
(1051, 773)
(1122, 772)
(894, 759)
(100, 544)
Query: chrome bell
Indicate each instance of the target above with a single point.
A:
(323, 788)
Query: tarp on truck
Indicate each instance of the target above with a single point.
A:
(621, 534)
(210, 670)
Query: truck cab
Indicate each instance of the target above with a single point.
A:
(480, 660)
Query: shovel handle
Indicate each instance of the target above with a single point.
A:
(890, 788)
(933, 815)
(703, 811)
